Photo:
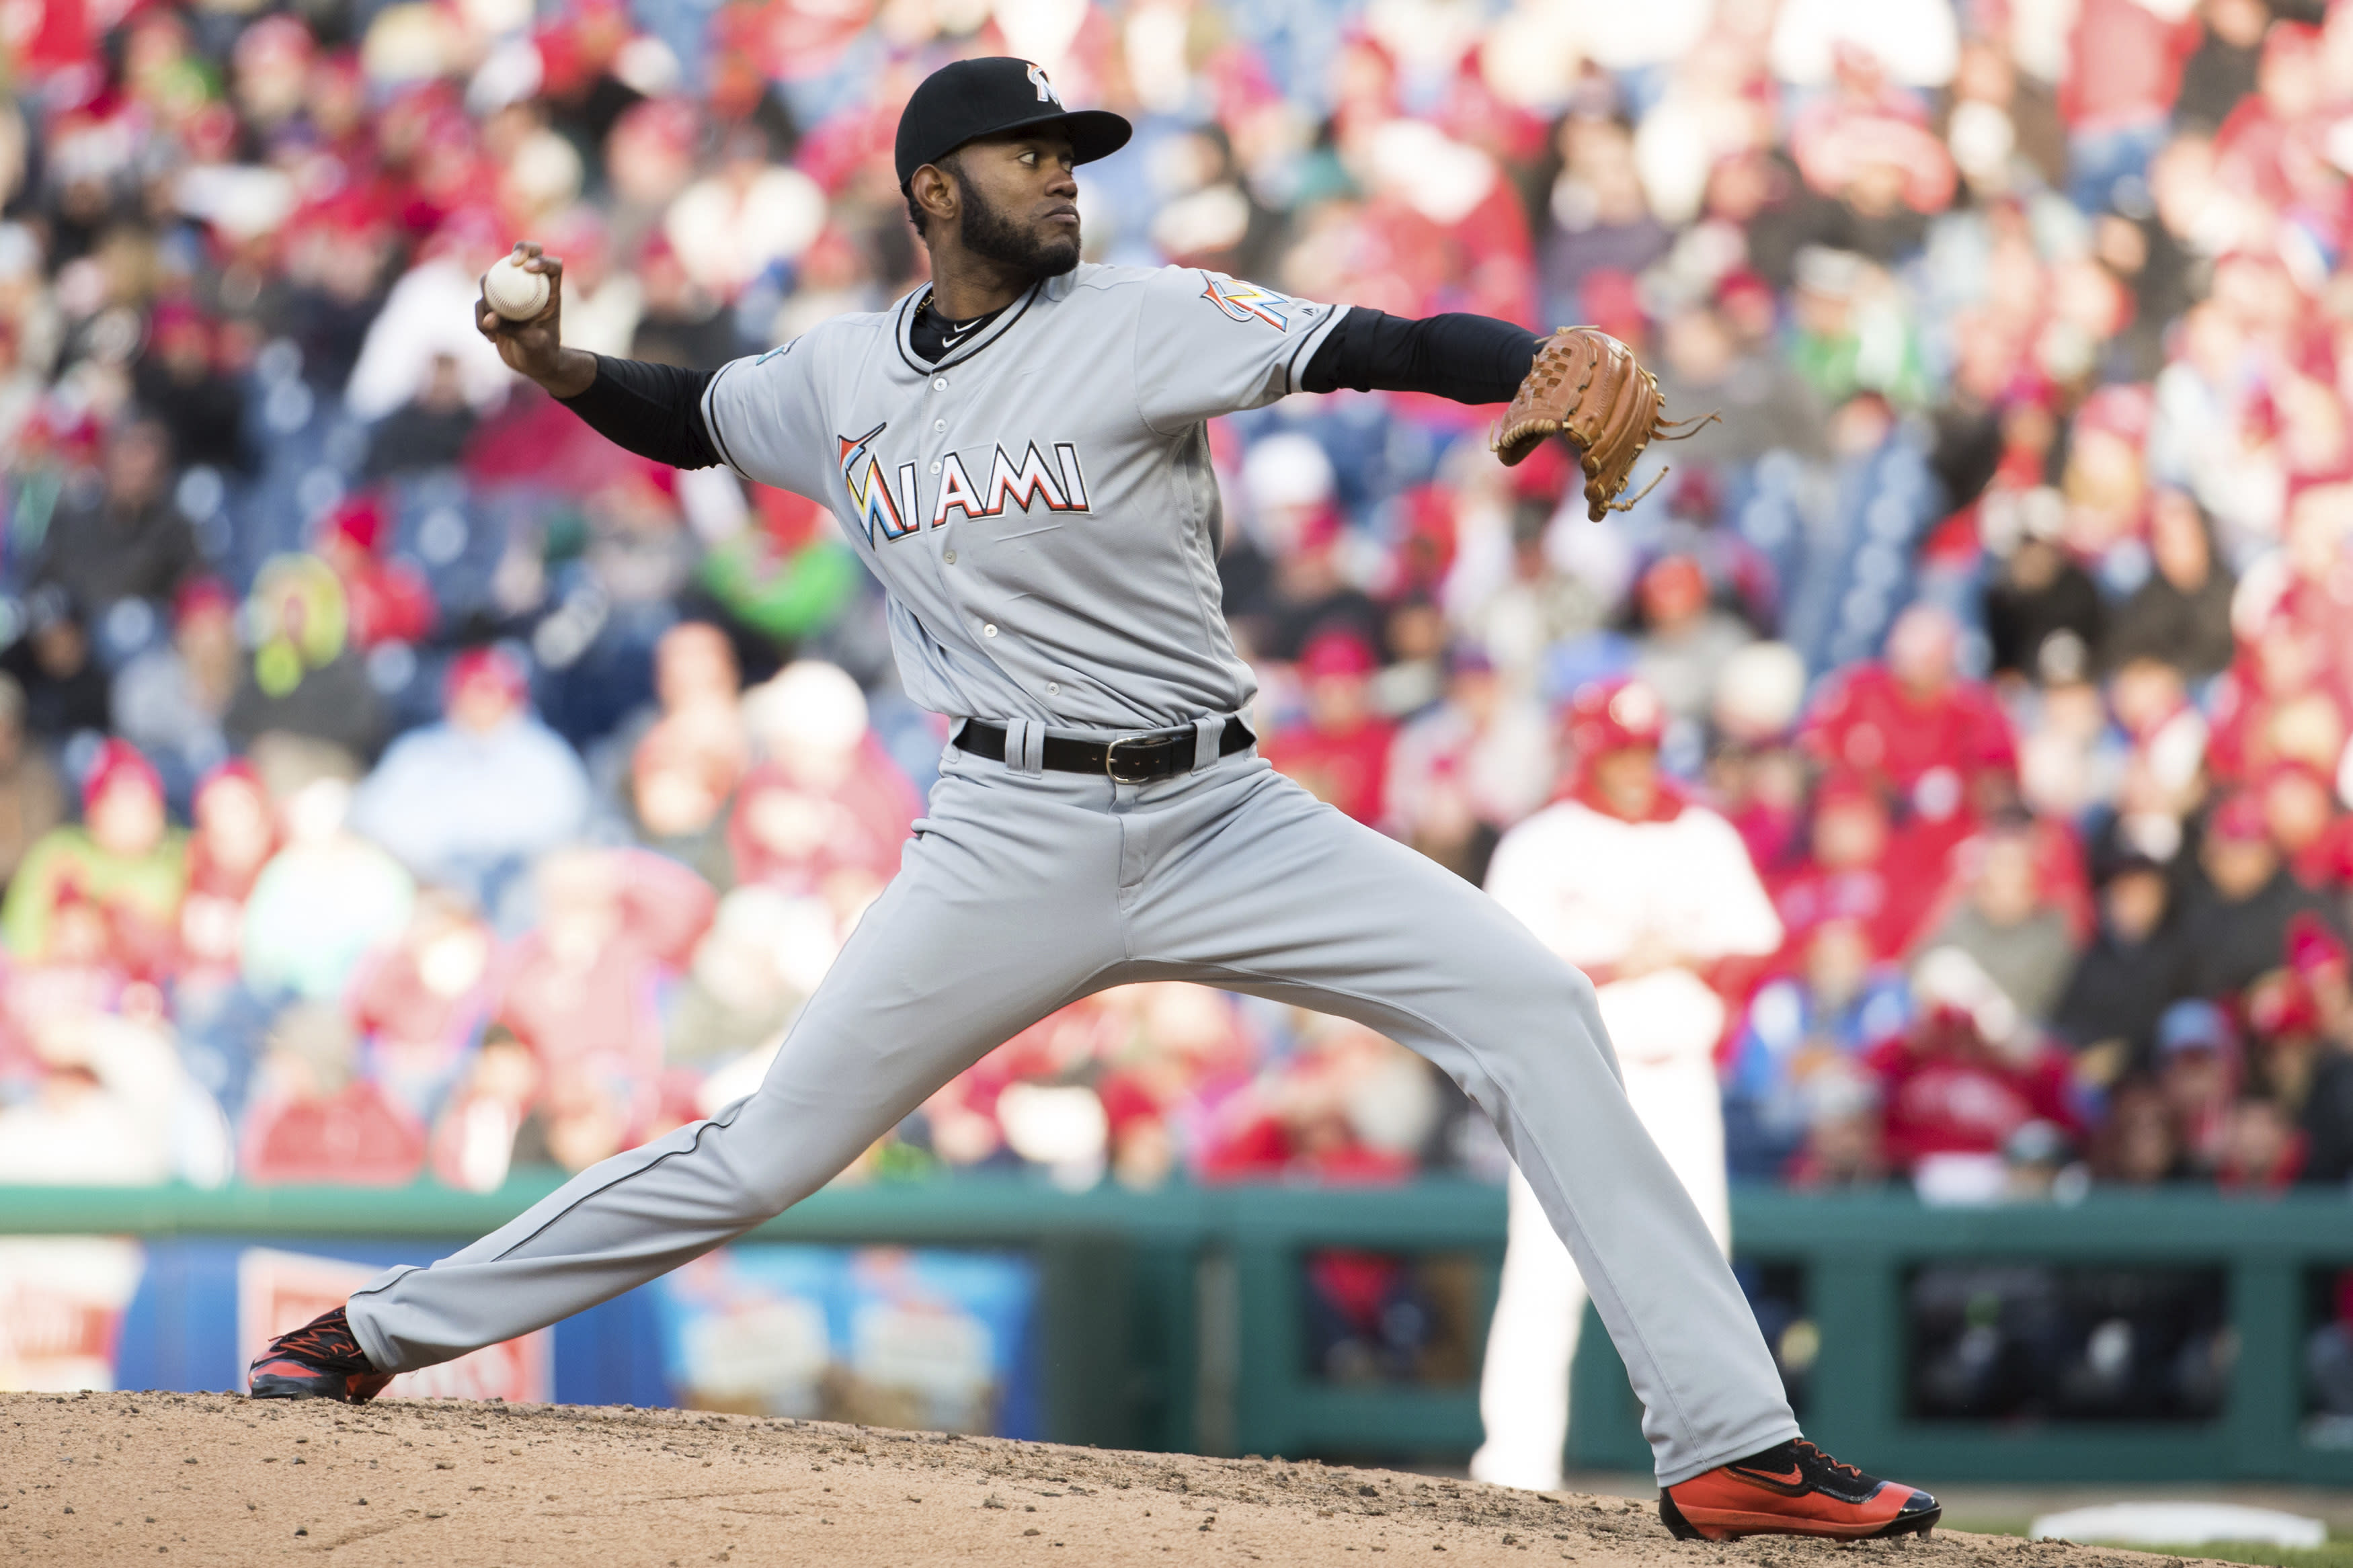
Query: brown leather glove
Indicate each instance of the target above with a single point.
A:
(1587, 386)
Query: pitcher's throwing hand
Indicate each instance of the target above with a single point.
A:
(535, 348)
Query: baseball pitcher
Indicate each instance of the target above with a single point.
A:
(1018, 451)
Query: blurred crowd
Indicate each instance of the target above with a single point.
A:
(398, 779)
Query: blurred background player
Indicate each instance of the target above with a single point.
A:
(1650, 894)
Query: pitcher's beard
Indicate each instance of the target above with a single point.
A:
(992, 235)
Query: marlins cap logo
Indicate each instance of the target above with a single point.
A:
(1046, 93)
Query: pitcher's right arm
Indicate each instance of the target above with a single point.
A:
(653, 410)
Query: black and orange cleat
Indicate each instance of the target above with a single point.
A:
(321, 1360)
(1794, 1489)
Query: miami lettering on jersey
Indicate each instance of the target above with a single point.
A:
(886, 512)
(1247, 301)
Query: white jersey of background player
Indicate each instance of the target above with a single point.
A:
(1018, 451)
(1639, 888)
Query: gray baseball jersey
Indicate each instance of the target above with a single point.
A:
(1039, 503)
(1040, 506)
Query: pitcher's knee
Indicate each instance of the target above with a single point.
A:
(743, 1177)
(767, 1187)
(1551, 1013)
(1543, 989)
(764, 1199)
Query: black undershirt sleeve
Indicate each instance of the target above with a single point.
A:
(653, 410)
(1470, 359)
(656, 410)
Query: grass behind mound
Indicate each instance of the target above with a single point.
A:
(2337, 1551)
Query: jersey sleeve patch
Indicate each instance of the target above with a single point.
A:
(1187, 370)
(1247, 302)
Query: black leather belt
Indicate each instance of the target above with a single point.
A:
(1141, 758)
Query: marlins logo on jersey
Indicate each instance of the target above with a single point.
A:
(1247, 301)
(876, 508)
(885, 512)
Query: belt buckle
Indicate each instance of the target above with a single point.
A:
(1111, 760)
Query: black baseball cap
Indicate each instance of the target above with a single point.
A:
(971, 98)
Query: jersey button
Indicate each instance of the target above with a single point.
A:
(988, 630)
(940, 384)
(1052, 689)
(949, 558)
(938, 424)
(935, 467)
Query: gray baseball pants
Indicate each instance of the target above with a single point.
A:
(1022, 892)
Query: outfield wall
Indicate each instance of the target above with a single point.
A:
(2143, 1337)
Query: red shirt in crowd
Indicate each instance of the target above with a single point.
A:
(2126, 63)
(795, 831)
(1927, 744)
(1946, 1091)
(354, 1137)
(583, 991)
(389, 603)
(1347, 768)
(1860, 867)
(1890, 897)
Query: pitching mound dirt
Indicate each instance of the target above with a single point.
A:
(205, 1478)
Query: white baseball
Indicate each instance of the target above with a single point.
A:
(513, 293)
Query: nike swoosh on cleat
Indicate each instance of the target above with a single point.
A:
(1794, 1480)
